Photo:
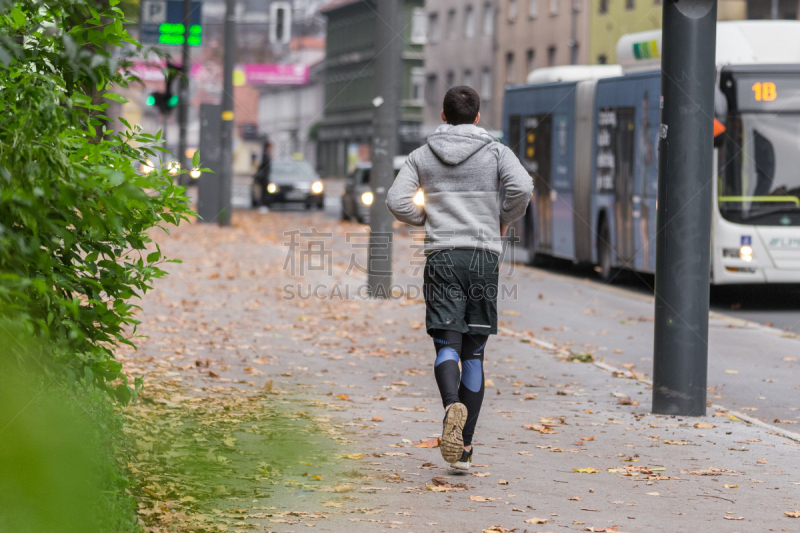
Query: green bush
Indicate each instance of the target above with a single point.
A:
(75, 210)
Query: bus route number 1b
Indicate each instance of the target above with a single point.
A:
(765, 91)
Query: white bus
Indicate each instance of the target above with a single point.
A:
(589, 138)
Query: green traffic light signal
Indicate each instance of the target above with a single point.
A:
(151, 100)
(173, 100)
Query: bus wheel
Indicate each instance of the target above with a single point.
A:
(604, 268)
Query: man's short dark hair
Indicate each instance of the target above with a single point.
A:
(461, 105)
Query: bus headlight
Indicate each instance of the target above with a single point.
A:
(272, 188)
(367, 198)
(746, 253)
(316, 187)
(419, 198)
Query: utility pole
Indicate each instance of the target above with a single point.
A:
(226, 133)
(683, 220)
(388, 46)
(774, 10)
(183, 92)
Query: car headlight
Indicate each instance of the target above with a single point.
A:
(746, 253)
(316, 187)
(367, 198)
(419, 198)
(272, 188)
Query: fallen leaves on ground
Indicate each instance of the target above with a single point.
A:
(588, 470)
(544, 430)
(429, 443)
(483, 499)
(792, 514)
(704, 425)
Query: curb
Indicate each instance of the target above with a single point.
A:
(627, 373)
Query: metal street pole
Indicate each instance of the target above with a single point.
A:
(773, 12)
(226, 133)
(183, 92)
(388, 46)
(683, 219)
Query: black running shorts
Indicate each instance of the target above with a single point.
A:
(461, 287)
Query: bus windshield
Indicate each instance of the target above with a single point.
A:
(759, 169)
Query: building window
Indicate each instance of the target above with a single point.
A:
(510, 68)
(486, 83)
(418, 29)
(603, 9)
(417, 88)
(468, 78)
(469, 22)
(529, 61)
(488, 19)
(573, 54)
(554, 7)
(434, 29)
(512, 10)
(533, 9)
(450, 80)
(630, 5)
(432, 90)
(602, 59)
(451, 25)
(551, 56)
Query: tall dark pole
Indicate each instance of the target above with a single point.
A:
(183, 93)
(388, 46)
(226, 133)
(683, 221)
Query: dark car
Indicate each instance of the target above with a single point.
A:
(292, 182)
(357, 195)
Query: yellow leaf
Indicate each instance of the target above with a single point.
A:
(792, 514)
(354, 456)
(588, 470)
(536, 521)
(730, 486)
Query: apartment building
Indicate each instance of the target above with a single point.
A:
(460, 50)
(533, 34)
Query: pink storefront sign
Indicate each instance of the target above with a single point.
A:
(265, 74)
(254, 73)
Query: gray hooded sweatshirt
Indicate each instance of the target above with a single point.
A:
(460, 171)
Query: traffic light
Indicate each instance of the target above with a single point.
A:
(166, 101)
(280, 22)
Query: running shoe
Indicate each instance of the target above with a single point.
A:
(465, 461)
(452, 440)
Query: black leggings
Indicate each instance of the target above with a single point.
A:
(466, 385)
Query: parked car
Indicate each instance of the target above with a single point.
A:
(291, 181)
(357, 195)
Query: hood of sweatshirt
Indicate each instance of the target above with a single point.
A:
(455, 144)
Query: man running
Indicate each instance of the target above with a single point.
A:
(461, 170)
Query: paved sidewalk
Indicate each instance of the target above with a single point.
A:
(560, 445)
